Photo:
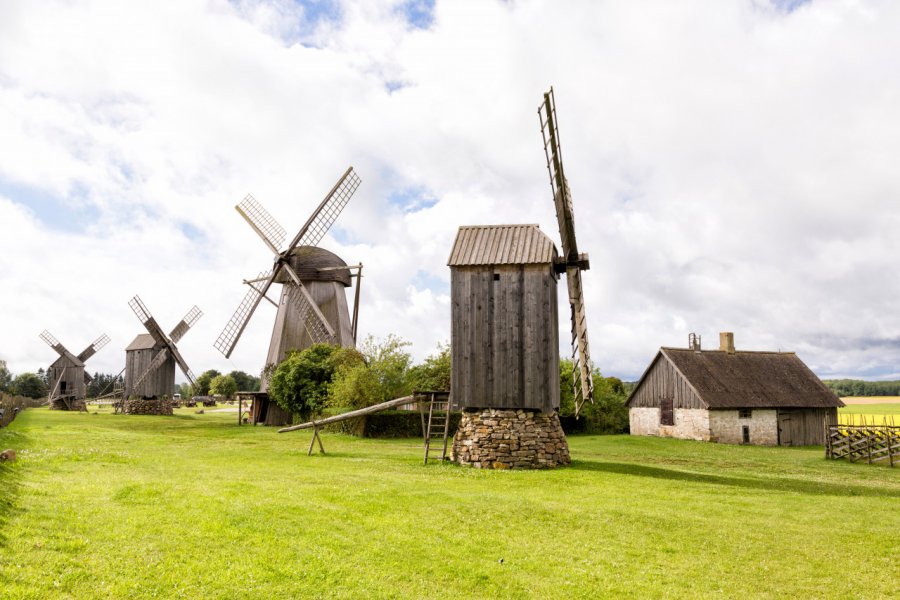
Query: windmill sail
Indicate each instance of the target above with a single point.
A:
(95, 346)
(185, 324)
(582, 379)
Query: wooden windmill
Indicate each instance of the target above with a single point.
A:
(505, 332)
(151, 358)
(67, 377)
(313, 305)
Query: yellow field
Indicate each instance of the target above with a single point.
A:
(874, 410)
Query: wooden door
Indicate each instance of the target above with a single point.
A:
(785, 429)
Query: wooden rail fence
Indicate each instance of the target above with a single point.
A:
(869, 442)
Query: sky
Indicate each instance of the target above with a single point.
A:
(733, 166)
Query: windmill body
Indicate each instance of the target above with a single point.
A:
(504, 332)
(67, 378)
(138, 357)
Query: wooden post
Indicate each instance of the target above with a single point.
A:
(315, 437)
(240, 408)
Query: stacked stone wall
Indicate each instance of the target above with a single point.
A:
(145, 406)
(510, 439)
(643, 420)
(76, 404)
(726, 426)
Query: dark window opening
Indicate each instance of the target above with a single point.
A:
(62, 386)
(496, 276)
(745, 434)
(666, 412)
(745, 413)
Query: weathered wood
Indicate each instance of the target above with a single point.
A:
(349, 415)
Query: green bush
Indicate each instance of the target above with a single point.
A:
(383, 376)
(607, 414)
(300, 383)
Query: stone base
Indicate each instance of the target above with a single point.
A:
(510, 439)
(74, 404)
(151, 406)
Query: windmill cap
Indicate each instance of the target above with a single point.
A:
(315, 264)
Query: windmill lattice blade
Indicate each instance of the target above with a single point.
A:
(144, 316)
(155, 364)
(314, 327)
(324, 216)
(186, 323)
(582, 373)
(87, 378)
(229, 337)
(562, 197)
(312, 307)
(95, 346)
(262, 222)
(182, 364)
(56, 345)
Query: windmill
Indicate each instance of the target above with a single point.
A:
(67, 377)
(150, 361)
(313, 305)
(571, 263)
(505, 332)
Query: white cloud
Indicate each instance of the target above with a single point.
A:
(732, 165)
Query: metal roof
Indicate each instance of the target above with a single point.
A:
(501, 245)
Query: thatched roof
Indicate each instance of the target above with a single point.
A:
(746, 379)
(501, 245)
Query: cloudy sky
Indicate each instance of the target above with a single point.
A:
(734, 164)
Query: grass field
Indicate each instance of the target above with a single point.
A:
(192, 506)
(882, 412)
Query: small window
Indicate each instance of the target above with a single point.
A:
(745, 413)
(496, 276)
(745, 434)
(666, 412)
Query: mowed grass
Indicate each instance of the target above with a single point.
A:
(193, 506)
(885, 412)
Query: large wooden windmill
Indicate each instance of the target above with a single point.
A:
(313, 305)
(150, 362)
(67, 377)
(505, 332)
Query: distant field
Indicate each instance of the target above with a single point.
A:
(871, 399)
(882, 413)
(193, 506)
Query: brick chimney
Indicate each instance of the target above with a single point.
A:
(726, 342)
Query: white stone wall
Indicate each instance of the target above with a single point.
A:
(643, 421)
(726, 427)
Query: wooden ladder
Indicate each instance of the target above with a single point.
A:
(438, 425)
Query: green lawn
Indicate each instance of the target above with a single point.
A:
(192, 506)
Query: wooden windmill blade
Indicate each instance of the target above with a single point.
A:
(144, 316)
(182, 364)
(154, 366)
(230, 335)
(328, 210)
(56, 345)
(185, 324)
(263, 223)
(299, 295)
(572, 262)
(95, 346)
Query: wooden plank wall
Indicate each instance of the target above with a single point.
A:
(663, 381)
(505, 337)
(804, 426)
(161, 383)
(73, 377)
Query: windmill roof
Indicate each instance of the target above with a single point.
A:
(143, 341)
(501, 245)
(64, 360)
(748, 379)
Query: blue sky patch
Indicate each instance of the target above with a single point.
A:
(411, 199)
(70, 215)
(423, 280)
(418, 13)
(789, 6)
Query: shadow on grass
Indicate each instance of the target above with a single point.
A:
(779, 484)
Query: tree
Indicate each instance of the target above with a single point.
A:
(300, 383)
(245, 382)
(383, 376)
(223, 385)
(203, 381)
(434, 372)
(101, 383)
(608, 413)
(5, 378)
(184, 389)
(29, 385)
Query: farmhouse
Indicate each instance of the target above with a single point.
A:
(729, 396)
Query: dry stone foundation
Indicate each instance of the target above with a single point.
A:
(510, 439)
(148, 406)
(58, 404)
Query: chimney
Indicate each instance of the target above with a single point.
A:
(694, 342)
(726, 342)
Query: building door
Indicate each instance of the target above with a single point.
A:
(785, 429)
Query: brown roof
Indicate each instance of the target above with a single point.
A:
(501, 245)
(750, 379)
(143, 341)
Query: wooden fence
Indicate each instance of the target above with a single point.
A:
(869, 442)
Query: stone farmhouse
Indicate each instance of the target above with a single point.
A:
(733, 397)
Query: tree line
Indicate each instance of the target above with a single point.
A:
(858, 387)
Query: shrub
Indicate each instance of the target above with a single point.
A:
(300, 383)
(383, 376)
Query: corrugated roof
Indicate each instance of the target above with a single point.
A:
(144, 341)
(751, 379)
(501, 245)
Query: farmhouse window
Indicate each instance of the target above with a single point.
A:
(745, 431)
(666, 412)
(745, 413)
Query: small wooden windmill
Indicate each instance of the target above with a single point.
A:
(67, 377)
(313, 305)
(150, 362)
(504, 332)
